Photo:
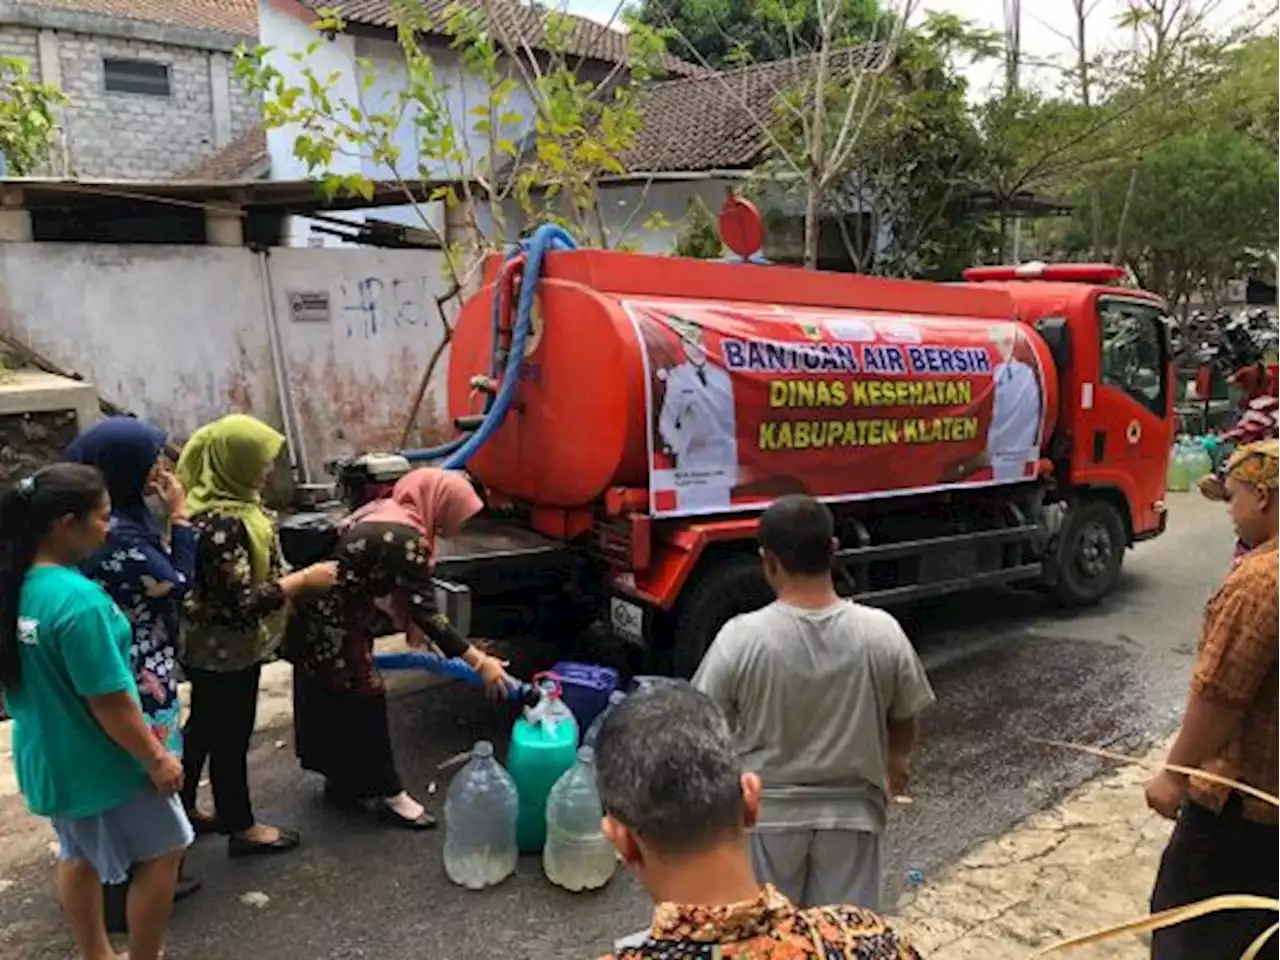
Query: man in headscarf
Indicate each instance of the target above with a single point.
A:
(1225, 839)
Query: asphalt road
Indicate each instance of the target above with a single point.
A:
(1005, 666)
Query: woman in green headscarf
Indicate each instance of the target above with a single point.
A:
(234, 613)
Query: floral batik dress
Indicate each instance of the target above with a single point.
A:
(149, 583)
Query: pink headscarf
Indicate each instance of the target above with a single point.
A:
(429, 500)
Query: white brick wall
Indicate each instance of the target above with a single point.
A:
(136, 136)
(20, 42)
(246, 108)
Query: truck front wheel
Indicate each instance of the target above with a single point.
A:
(1089, 553)
(724, 588)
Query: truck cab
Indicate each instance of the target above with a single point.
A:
(1112, 351)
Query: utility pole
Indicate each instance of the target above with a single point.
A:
(1012, 66)
(1012, 44)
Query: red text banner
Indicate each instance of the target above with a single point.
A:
(747, 403)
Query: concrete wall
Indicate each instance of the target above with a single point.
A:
(121, 135)
(352, 377)
(182, 335)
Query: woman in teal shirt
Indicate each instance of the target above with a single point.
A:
(83, 753)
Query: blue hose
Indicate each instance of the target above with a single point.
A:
(446, 667)
(545, 239)
(459, 450)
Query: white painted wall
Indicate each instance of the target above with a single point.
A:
(351, 378)
(287, 35)
(181, 334)
(173, 333)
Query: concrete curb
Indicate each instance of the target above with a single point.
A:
(1087, 863)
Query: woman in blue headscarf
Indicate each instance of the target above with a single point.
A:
(146, 577)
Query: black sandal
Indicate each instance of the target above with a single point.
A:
(238, 846)
(389, 816)
(202, 824)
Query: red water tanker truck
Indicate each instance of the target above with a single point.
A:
(1014, 427)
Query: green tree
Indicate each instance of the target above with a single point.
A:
(1198, 210)
(28, 117)
(724, 33)
(1111, 108)
(911, 177)
(1248, 97)
(699, 237)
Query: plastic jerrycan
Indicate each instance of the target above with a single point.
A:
(480, 822)
(578, 856)
(544, 744)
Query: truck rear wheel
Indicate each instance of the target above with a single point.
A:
(1089, 553)
(725, 587)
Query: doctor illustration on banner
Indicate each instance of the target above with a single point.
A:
(697, 426)
(1013, 436)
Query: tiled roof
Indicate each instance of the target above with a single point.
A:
(713, 121)
(236, 17)
(588, 39)
(235, 161)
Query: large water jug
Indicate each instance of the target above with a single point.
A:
(593, 732)
(480, 822)
(544, 744)
(1198, 461)
(1178, 478)
(578, 856)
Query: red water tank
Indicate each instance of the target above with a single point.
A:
(607, 329)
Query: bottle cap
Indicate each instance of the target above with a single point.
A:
(483, 748)
(586, 755)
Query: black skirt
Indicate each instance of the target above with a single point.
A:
(344, 736)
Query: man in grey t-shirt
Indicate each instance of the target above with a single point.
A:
(823, 695)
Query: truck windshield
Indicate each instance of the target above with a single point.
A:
(1135, 350)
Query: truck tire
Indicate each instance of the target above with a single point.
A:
(724, 588)
(1089, 553)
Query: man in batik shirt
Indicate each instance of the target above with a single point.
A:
(677, 808)
(1225, 839)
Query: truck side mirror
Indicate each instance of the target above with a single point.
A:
(1057, 336)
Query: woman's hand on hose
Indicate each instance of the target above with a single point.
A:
(497, 682)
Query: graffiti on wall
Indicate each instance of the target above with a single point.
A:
(375, 306)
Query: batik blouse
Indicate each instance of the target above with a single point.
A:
(149, 584)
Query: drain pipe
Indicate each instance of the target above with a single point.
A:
(298, 464)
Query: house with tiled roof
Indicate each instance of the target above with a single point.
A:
(149, 82)
(703, 134)
(582, 37)
(597, 53)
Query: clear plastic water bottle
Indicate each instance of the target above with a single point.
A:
(593, 732)
(1179, 477)
(480, 822)
(577, 856)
